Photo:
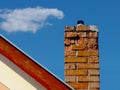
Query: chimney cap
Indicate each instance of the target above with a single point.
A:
(80, 22)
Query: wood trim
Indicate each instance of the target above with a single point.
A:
(31, 67)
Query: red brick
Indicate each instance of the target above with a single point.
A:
(87, 53)
(82, 34)
(93, 72)
(87, 66)
(94, 86)
(92, 34)
(90, 46)
(83, 41)
(81, 89)
(88, 78)
(70, 66)
(71, 34)
(67, 41)
(75, 59)
(70, 53)
(82, 28)
(81, 59)
(76, 72)
(93, 59)
(93, 41)
(79, 85)
(79, 47)
(70, 79)
(72, 41)
(95, 46)
(65, 34)
(69, 28)
(68, 48)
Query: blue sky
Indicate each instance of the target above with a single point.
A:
(45, 44)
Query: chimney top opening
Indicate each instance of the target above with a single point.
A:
(80, 22)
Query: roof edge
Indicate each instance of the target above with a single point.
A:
(71, 88)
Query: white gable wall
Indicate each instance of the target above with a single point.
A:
(3, 87)
(16, 79)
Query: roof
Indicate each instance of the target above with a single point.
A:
(31, 67)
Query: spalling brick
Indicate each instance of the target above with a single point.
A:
(67, 41)
(70, 66)
(69, 28)
(88, 53)
(93, 46)
(93, 41)
(71, 79)
(83, 41)
(72, 41)
(93, 59)
(70, 53)
(71, 34)
(79, 47)
(82, 34)
(68, 48)
(92, 34)
(65, 34)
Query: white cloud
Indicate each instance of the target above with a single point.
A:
(27, 19)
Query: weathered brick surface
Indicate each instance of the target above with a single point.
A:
(71, 34)
(94, 85)
(70, 66)
(88, 53)
(69, 28)
(68, 48)
(93, 59)
(82, 28)
(72, 41)
(93, 72)
(81, 89)
(75, 59)
(92, 34)
(70, 79)
(76, 72)
(94, 89)
(81, 57)
(88, 78)
(67, 41)
(82, 34)
(79, 47)
(70, 53)
(92, 41)
(79, 85)
(83, 41)
(87, 66)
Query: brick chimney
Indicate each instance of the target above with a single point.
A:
(81, 57)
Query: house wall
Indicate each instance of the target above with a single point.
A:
(81, 57)
(3, 87)
(16, 79)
